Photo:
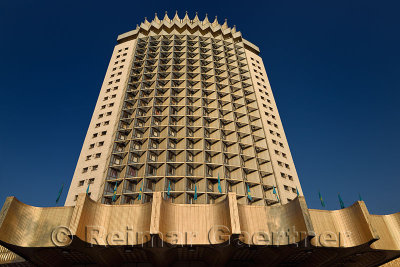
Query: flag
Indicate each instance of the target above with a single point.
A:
(274, 191)
(195, 192)
(219, 184)
(114, 197)
(359, 197)
(169, 188)
(248, 193)
(297, 191)
(140, 193)
(59, 193)
(320, 199)
(341, 202)
(87, 189)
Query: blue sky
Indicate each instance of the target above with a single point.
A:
(333, 66)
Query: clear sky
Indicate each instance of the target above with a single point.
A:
(334, 67)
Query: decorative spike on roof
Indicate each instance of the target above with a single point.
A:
(215, 23)
(166, 18)
(156, 19)
(196, 19)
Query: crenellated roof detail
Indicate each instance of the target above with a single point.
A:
(176, 22)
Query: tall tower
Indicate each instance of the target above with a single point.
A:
(185, 108)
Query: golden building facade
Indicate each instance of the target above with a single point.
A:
(186, 109)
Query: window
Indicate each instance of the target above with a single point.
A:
(290, 177)
(103, 132)
(81, 182)
(112, 75)
(108, 90)
(126, 48)
(284, 155)
(277, 134)
(154, 145)
(171, 170)
(88, 157)
(97, 125)
(274, 141)
(172, 144)
(117, 80)
(106, 122)
(119, 73)
(105, 98)
(276, 152)
(152, 170)
(119, 50)
(111, 105)
(286, 188)
(294, 190)
(95, 167)
(85, 170)
(91, 146)
(94, 135)
(280, 144)
(101, 143)
(123, 60)
(113, 96)
(103, 106)
(101, 116)
(98, 155)
(109, 83)
(75, 197)
(116, 88)
(109, 113)
(287, 166)
(153, 157)
(189, 170)
(91, 181)
(114, 69)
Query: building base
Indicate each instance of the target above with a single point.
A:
(166, 234)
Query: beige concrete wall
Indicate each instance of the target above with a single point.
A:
(278, 147)
(98, 148)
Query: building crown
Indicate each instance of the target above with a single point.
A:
(181, 22)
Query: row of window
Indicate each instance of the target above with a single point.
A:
(107, 114)
(108, 97)
(89, 181)
(284, 175)
(109, 105)
(280, 153)
(98, 144)
(96, 156)
(115, 87)
(104, 123)
(97, 134)
(280, 163)
(93, 168)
